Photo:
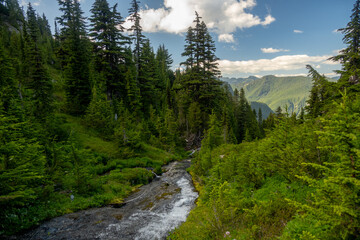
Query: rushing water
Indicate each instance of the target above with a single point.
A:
(167, 220)
(151, 213)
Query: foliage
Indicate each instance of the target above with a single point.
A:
(349, 57)
(86, 114)
(300, 182)
(74, 56)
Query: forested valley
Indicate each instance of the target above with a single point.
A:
(87, 111)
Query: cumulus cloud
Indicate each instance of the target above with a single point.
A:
(228, 38)
(292, 75)
(25, 3)
(221, 16)
(298, 31)
(273, 50)
(283, 63)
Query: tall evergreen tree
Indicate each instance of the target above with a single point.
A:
(241, 115)
(319, 93)
(7, 81)
(189, 50)
(39, 80)
(350, 56)
(165, 75)
(75, 46)
(136, 29)
(109, 45)
(147, 77)
(133, 98)
(260, 122)
(201, 82)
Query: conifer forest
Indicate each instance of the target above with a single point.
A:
(91, 111)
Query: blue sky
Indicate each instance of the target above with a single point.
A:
(253, 37)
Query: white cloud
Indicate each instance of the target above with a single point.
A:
(292, 75)
(330, 75)
(268, 20)
(333, 74)
(298, 31)
(331, 62)
(221, 16)
(281, 63)
(228, 38)
(336, 31)
(273, 50)
(150, 18)
(25, 3)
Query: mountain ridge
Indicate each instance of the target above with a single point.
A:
(287, 92)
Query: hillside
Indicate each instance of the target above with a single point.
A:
(275, 91)
(265, 109)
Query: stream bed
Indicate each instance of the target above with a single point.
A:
(150, 213)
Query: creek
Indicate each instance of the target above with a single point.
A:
(151, 213)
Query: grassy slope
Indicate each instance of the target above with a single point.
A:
(110, 172)
(89, 137)
(109, 177)
(278, 91)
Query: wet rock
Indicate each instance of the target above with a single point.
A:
(150, 213)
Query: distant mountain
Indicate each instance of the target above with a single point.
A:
(239, 80)
(275, 91)
(227, 86)
(265, 109)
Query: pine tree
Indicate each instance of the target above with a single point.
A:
(39, 80)
(138, 37)
(133, 98)
(200, 82)
(47, 41)
(260, 116)
(241, 115)
(227, 126)
(7, 81)
(75, 48)
(165, 76)
(189, 50)
(350, 56)
(211, 69)
(194, 118)
(213, 134)
(147, 77)
(252, 123)
(302, 115)
(260, 122)
(278, 112)
(109, 45)
(320, 94)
